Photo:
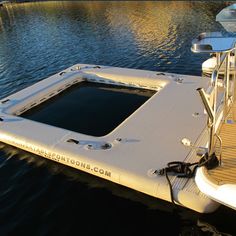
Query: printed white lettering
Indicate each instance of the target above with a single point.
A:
(57, 157)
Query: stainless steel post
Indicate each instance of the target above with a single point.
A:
(227, 80)
(211, 119)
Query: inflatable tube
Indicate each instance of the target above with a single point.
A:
(129, 155)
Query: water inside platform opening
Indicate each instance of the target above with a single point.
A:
(90, 108)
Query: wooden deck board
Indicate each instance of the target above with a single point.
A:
(226, 173)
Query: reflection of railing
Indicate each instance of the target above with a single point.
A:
(209, 98)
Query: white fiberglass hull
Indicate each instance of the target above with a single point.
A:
(209, 65)
(223, 193)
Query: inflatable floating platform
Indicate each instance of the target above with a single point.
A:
(168, 125)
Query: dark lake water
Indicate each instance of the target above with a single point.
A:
(40, 197)
(92, 101)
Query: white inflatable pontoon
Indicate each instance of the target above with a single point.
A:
(170, 126)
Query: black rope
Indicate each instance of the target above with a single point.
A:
(186, 169)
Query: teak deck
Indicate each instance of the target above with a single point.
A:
(225, 173)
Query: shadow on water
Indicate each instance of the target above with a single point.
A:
(41, 197)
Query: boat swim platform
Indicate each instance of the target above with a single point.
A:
(131, 153)
(220, 182)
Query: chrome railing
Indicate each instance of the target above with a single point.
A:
(209, 97)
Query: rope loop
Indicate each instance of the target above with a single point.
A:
(186, 169)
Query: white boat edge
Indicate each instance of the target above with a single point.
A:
(224, 193)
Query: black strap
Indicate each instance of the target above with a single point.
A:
(186, 169)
